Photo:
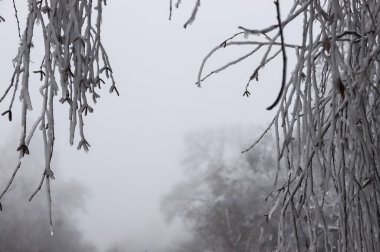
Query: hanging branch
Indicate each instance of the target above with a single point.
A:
(73, 52)
(17, 20)
(284, 59)
(193, 14)
(327, 129)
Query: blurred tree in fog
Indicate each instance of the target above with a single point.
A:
(23, 225)
(116, 248)
(228, 200)
(223, 196)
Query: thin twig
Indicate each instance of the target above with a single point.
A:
(282, 24)
(193, 14)
(170, 9)
(18, 21)
(260, 138)
(284, 59)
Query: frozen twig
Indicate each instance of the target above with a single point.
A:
(193, 14)
(72, 50)
(284, 58)
(17, 20)
(326, 126)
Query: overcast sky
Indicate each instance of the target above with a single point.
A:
(137, 139)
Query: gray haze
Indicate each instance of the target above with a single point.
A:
(137, 139)
(23, 224)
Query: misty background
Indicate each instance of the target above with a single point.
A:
(138, 140)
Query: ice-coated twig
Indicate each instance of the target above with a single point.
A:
(327, 129)
(10, 181)
(38, 187)
(283, 23)
(226, 44)
(18, 166)
(284, 58)
(260, 137)
(193, 14)
(75, 65)
(170, 9)
(17, 20)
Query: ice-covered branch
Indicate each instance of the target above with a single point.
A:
(74, 66)
(326, 126)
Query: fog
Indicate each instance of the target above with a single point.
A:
(137, 140)
(24, 225)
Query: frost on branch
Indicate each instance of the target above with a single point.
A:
(72, 70)
(327, 124)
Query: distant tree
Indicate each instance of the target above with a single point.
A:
(115, 248)
(327, 110)
(72, 70)
(326, 125)
(23, 225)
(223, 198)
(228, 200)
